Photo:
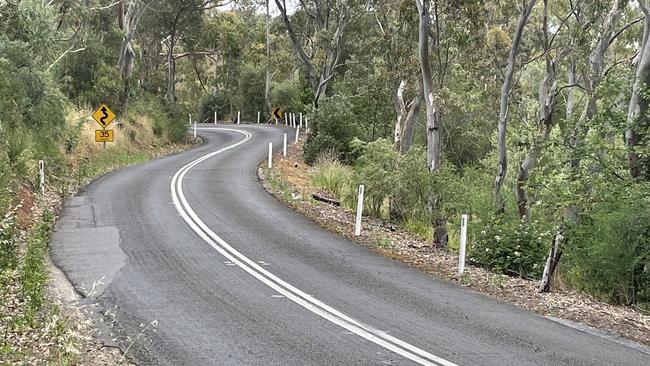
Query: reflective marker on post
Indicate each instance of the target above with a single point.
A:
(41, 171)
(284, 146)
(357, 225)
(463, 243)
(270, 155)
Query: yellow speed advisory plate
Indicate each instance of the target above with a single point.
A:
(104, 136)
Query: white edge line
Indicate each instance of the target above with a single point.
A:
(301, 298)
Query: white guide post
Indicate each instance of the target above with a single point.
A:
(41, 171)
(238, 116)
(258, 117)
(357, 224)
(306, 125)
(463, 243)
(286, 118)
(190, 119)
(294, 120)
(270, 155)
(215, 117)
(300, 120)
(297, 134)
(284, 146)
(194, 129)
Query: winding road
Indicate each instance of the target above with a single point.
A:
(192, 263)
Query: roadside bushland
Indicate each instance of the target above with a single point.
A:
(45, 110)
(606, 251)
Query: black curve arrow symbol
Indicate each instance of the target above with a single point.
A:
(101, 120)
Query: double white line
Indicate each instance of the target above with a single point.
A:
(299, 297)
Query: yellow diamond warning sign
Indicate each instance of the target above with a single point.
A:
(103, 115)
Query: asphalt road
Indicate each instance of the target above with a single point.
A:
(221, 273)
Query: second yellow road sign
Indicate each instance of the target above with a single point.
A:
(104, 136)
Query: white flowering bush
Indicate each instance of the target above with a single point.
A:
(515, 248)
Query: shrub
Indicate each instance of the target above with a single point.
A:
(377, 170)
(7, 244)
(608, 250)
(219, 102)
(333, 128)
(332, 176)
(512, 247)
(414, 188)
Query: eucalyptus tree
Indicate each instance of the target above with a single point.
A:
(502, 166)
(320, 40)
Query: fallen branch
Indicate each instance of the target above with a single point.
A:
(331, 201)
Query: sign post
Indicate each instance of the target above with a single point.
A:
(284, 146)
(463, 244)
(357, 224)
(41, 171)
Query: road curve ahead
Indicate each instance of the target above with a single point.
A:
(193, 263)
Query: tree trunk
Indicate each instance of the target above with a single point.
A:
(433, 120)
(171, 74)
(637, 121)
(267, 88)
(502, 167)
(400, 111)
(129, 24)
(547, 91)
(551, 263)
(431, 100)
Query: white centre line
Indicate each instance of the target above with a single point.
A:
(301, 298)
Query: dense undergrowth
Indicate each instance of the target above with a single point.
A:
(607, 249)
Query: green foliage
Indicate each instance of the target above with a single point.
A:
(7, 242)
(107, 88)
(286, 95)
(210, 103)
(333, 129)
(517, 248)
(608, 249)
(165, 122)
(34, 272)
(377, 170)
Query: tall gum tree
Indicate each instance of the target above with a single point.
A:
(506, 87)
(320, 47)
